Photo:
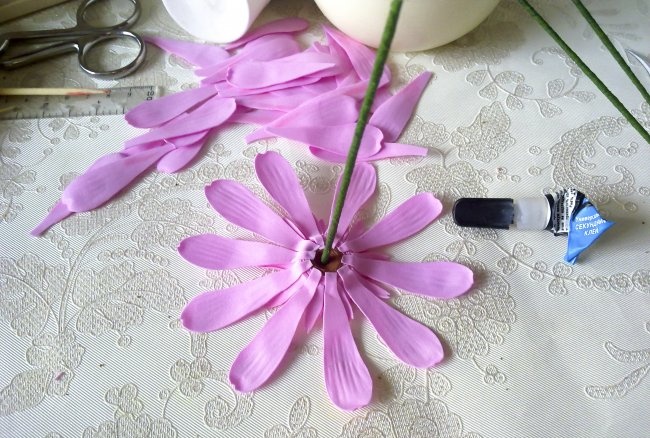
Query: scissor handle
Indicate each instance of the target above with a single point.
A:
(86, 45)
(82, 23)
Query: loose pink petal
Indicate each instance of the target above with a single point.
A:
(332, 110)
(347, 379)
(212, 113)
(211, 311)
(362, 186)
(156, 112)
(202, 55)
(315, 308)
(412, 342)
(281, 100)
(335, 139)
(406, 220)
(253, 75)
(241, 207)
(433, 279)
(257, 362)
(262, 49)
(283, 25)
(255, 117)
(179, 158)
(393, 115)
(280, 180)
(228, 90)
(99, 184)
(215, 252)
(56, 215)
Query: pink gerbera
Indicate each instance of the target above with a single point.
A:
(304, 289)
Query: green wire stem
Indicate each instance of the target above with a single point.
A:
(611, 49)
(364, 114)
(587, 71)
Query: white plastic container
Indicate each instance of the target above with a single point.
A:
(423, 24)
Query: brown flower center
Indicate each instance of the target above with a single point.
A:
(332, 264)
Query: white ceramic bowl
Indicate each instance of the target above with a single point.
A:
(423, 24)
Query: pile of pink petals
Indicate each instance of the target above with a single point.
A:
(305, 292)
(308, 95)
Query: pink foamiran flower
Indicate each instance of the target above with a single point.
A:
(304, 290)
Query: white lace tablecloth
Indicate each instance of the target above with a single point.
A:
(90, 340)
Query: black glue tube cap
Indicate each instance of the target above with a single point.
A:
(484, 212)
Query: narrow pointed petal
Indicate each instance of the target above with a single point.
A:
(266, 73)
(198, 54)
(213, 310)
(336, 139)
(412, 342)
(280, 180)
(315, 308)
(215, 252)
(393, 115)
(387, 150)
(281, 100)
(99, 184)
(241, 207)
(406, 220)
(255, 117)
(228, 90)
(56, 215)
(347, 379)
(212, 113)
(153, 113)
(179, 158)
(257, 362)
(362, 186)
(432, 279)
(322, 111)
(283, 25)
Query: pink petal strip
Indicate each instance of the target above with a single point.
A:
(241, 207)
(228, 90)
(266, 73)
(433, 279)
(262, 49)
(388, 150)
(99, 184)
(280, 180)
(56, 215)
(257, 362)
(362, 186)
(202, 55)
(347, 379)
(215, 252)
(156, 112)
(406, 220)
(412, 342)
(213, 310)
(393, 115)
(282, 100)
(255, 117)
(315, 308)
(209, 115)
(335, 139)
(283, 25)
(179, 158)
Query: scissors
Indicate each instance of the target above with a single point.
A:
(80, 38)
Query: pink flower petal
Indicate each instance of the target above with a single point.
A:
(281, 100)
(256, 117)
(202, 55)
(257, 362)
(266, 73)
(241, 207)
(362, 186)
(215, 252)
(280, 180)
(433, 279)
(56, 215)
(412, 342)
(283, 25)
(228, 90)
(393, 115)
(387, 150)
(212, 113)
(99, 184)
(335, 139)
(211, 311)
(179, 158)
(156, 112)
(347, 379)
(406, 220)
(315, 308)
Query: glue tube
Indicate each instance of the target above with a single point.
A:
(568, 212)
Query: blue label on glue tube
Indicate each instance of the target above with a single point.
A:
(585, 225)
